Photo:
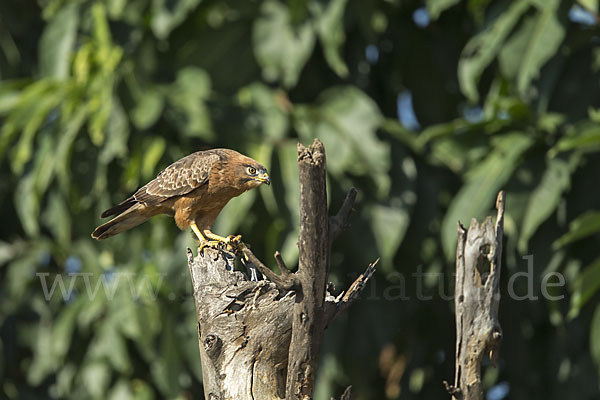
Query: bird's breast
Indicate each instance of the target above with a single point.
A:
(202, 206)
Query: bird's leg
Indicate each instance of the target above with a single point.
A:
(204, 242)
(199, 235)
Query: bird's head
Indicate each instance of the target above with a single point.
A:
(252, 174)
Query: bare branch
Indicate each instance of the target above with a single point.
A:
(347, 395)
(284, 281)
(339, 222)
(281, 264)
(335, 306)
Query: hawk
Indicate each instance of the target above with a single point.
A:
(193, 190)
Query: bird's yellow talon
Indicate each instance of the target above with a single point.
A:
(208, 239)
(209, 243)
(234, 242)
(234, 239)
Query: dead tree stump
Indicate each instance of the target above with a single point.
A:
(244, 330)
(476, 300)
(261, 339)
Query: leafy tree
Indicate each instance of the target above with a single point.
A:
(427, 108)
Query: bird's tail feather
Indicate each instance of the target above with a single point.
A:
(122, 222)
(119, 208)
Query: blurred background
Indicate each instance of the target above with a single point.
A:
(427, 107)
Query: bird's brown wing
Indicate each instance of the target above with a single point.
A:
(179, 178)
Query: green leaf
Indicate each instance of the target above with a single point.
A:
(101, 29)
(32, 106)
(550, 122)
(23, 151)
(122, 390)
(591, 5)
(528, 49)
(544, 199)
(288, 166)
(115, 8)
(585, 286)
(477, 9)
(187, 95)
(152, 155)
(194, 80)
(330, 29)
(346, 120)
(57, 217)
(437, 7)
(101, 104)
(389, 224)
(405, 136)
(65, 145)
(148, 109)
(168, 14)
(583, 226)
(542, 45)
(63, 328)
(21, 272)
(108, 343)
(44, 362)
(95, 378)
(27, 204)
(271, 107)
(584, 136)
(43, 166)
(117, 133)
(8, 251)
(280, 47)
(483, 48)
(482, 183)
(10, 92)
(57, 42)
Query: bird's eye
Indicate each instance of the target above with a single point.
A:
(251, 171)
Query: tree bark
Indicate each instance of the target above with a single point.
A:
(244, 330)
(261, 339)
(308, 323)
(476, 300)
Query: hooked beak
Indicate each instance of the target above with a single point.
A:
(264, 178)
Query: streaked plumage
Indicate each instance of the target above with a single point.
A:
(193, 190)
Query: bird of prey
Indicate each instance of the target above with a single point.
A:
(193, 190)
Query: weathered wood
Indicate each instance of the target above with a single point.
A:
(335, 305)
(308, 322)
(261, 339)
(244, 330)
(285, 281)
(244, 327)
(477, 296)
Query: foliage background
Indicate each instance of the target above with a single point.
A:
(428, 108)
